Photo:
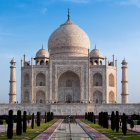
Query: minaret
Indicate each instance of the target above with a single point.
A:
(12, 94)
(124, 83)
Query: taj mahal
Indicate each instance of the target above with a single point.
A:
(69, 78)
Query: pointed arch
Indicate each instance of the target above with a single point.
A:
(26, 97)
(40, 97)
(111, 97)
(40, 79)
(97, 97)
(97, 79)
(111, 80)
(69, 87)
(26, 80)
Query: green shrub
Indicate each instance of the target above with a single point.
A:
(138, 122)
(1, 122)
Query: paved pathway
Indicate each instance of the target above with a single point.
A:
(3, 128)
(92, 132)
(136, 128)
(48, 132)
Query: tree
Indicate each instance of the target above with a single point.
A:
(106, 120)
(32, 123)
(86, 116)
(45, 117)
(10, 125)
(38, 118)
(132, 124)
(48, 116)
(92, 115)
(117, 121)
(51, 116)
(124, 124)
(19, 124)
(113, 121)
(94, 119)
(24, 122)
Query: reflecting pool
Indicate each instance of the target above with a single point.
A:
(70, 131)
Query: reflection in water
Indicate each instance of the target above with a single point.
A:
(63, 133)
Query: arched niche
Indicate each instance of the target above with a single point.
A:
(111, 97)
(97, 97)
(26, 80)
(111, 80)
(40, 97)
(69, 87)
(40, 79)
(97, 79)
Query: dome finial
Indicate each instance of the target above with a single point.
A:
(68, 14)
(95, 46)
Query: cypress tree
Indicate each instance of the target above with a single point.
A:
(92, 115)
(32, 122)
(132, 124)
(10, 125)
(86, 116)
(101, 119)
(51, 116)
(107, 120)
(24, 122)
(117, 121)
(48, 116)
(19, 123)
(113, 121)
(45, 117)
(94, 119)
(124, 124)
(38, 118)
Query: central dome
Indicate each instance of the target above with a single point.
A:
(69, 40)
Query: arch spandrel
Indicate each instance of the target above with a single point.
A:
(61, 70)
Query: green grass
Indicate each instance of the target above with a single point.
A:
(113, 135)
(31, 133)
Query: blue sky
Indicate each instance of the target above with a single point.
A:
(113, 25)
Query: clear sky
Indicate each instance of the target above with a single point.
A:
(113, 25)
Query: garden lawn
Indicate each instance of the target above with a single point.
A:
(112, 134)
(31, 133)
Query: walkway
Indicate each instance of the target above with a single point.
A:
(48, 132)
(3, 128)
(91, 131)
(136, 128)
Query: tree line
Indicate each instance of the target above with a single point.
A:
(21, 122)
(117, 121)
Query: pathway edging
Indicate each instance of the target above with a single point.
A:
(45, 135)
(92, 132)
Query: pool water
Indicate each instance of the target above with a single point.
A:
(63, 132)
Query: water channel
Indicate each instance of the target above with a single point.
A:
(69, 131)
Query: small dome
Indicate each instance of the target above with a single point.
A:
(42, 53)
(95, 53)
(13, 61)
(124, 62)
(69, 39)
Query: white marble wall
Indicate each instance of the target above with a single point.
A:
(71, 109)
